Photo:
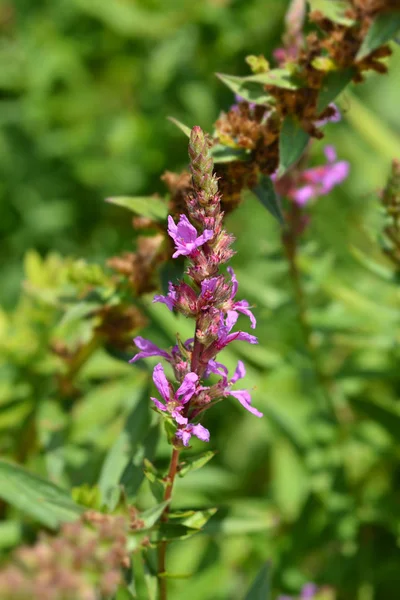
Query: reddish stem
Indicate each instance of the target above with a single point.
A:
(196, 367)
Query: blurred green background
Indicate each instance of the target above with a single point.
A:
(86, 86)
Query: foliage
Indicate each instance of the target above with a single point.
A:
(312, 487)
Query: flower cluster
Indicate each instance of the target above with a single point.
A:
(85, 559)
(302, 186)
(209, 298)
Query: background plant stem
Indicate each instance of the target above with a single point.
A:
(290, 237)
(162, 548)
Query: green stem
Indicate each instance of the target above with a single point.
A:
(289, 241)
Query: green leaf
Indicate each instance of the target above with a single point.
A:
(279, 77)
(335, 10)
(123, 465)
(78, 311)
(225, 154)
(373, 267)
(36, 497)
(265, 192)
(186, 130)
(150, 207)
(383, 29)
(11, 534)
(260, 590)
(194, 463)
(172, 531)
(292, 143)
(289, 479)
(124, 594)
(248, 90)
(151, 516)
(157, 484)
(388, 418)
(333, 84)
(194, 518)
(139, 576)
(241, 519)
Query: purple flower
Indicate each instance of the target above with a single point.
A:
(174, 401)
(170, 299)
(308, 591)
(198, 430)
(239, 99)
(242, 306)
(242, 395)
(217, 368)
(225, 337)
(147, 349)
(185, 236)
(334, 118)
(321, 180)
(209, 287)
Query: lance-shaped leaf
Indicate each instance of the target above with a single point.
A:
(186, 130)
(225, 154)
(373, 267)
(194, 463)
(172, 531)
(333, 84)
(150, 207)
(151, 516)
(382, 29)
(335, 10)
(265, 192)
(292, 143)
(260, 590)
(279, 77)
(194, 518)
(248, 90)
(36, 497)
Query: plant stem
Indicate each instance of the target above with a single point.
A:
(289, 241)
(195, 367)
(162, 548)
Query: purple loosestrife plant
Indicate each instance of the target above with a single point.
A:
(208, 296)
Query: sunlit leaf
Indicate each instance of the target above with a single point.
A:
(278, 77)
(335, 10)
(195, 518)
(224, 154)
(248, 90)
(194, 463)
(150, 207)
